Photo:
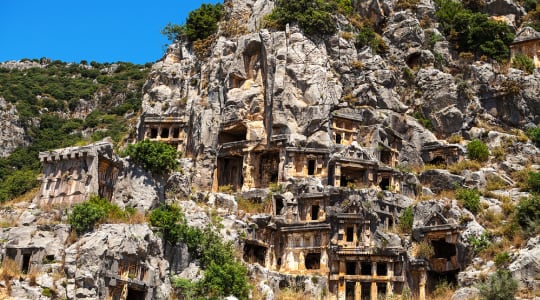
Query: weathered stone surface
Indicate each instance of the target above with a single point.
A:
(439, 180)
(96, 257)
(11, 132)
(137, 188)
(526, 266)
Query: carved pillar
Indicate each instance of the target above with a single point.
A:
(390, 271)
(373, 290)
(373, 283)
(357, 291)
(422, 284)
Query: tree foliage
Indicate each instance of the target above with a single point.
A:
(474, 32)
(200, 24)
(84, 216)
(367, 37)
(223, 275)
(477, 150)
(499, 286)
(534, 135)
(156, 157)
(313, 16)
(43, 95)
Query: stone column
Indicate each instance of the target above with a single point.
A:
(357, 291)
(373, 283)
(390, 272)
(422, 285)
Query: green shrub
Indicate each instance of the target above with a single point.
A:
(17, 183)
(533, 182)
(313, 16)
(499, 286)
(477, 150)
(84, 216)
(479, 243)
(223, 275)
(156, 157)
(523, 62)
(474, 32)
(406, 220)
(528, 214)
(367, 37)
(469, 198)
(534, 135)
(501, 259)
(202, 22)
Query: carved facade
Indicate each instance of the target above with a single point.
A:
(527, 42)
(71, 175)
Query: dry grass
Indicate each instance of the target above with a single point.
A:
(290, 294)
(9, 271)
(27, 197)
(443, 291)
(495, 183)
(347, 35)
(520, 178)
(455, 139)
(458, 167)
(254, 207)
(422, 250)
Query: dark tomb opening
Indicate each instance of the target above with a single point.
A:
(350, 268)
(366, 268)
(349, 290)
(25, 263)
(338, 138)
(438, 161)
(153, 133)
(311, 167)
(313, 261)
(381, 290)
(134, 294)
(365, 290)
(314, 212)
(165, 133)
(381, 269)
(230, 171)
(385, 184)
(236, 133)
(350, 234)
(176, 133)
(443, 249)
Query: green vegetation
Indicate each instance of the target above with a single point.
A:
(156, 157)
(200, 24)
(313, 16)
(523, 62)
(528, 214)
(423, 120)
(474, 32)
(499, 286)
(533, 182)
(406, 220)
(477, 150)
(502, 259)
(367, 37)
(223, 275)
(84, 216)
(469, 198)
(43, 96)
(480, 243)
(534, 135)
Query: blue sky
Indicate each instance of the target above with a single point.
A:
(96, 30)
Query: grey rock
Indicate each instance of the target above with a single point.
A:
(439, 180)
(466, 293)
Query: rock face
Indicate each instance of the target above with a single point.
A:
(11, 132)
(526, 266)
(117, 259)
